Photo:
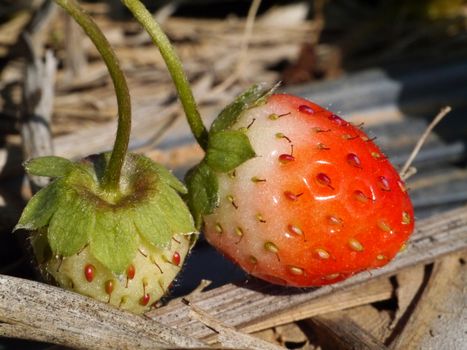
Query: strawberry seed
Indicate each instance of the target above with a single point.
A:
(383, 225)
(253, 260)
(271, 247)
(324, 180)
(295, 230)
(306, 109)
(360, 196)
(334, 220)
(130, 272)
(355, 245)
(280, 135)
(176, 259)
(331, 276)
(256, 179)
(337, 120)
(286, 158)
(109, 287)
(89, 271)
(292, 196)
(260, 218)
(322, 147)
(383, 183)
(144, 299)
(406, 219)
(294, 270)
(322, 254)
(353, 160)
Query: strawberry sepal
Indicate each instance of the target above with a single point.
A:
(50, 166)
(203, 188)
(75, 211)
(41, 207)
(228, 149)
(113, 241)
(69, 228)
(252, 97)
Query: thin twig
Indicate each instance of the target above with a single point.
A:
(228, 336)
(243, 56)
(442, 113)
(200, 288)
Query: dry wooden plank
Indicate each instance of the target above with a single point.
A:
(339, 332)
(376, 290)
(51, 314)
(374, 321)
(290, 335)
(409, 283)
(228, 337)
(439, 320)
(242, 306)
(38, 100)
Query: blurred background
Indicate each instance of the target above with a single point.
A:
(391, 64)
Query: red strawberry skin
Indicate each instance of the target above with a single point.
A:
(318, 203)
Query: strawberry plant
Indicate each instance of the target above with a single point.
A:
(111, 226)
(288, 190)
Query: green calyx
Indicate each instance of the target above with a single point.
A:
(76, 211)
(227, 149)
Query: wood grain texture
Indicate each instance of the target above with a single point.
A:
(38, 97)
(374, 321)
(243, 306)
(339, 332)
(440, 319)
(375, 290)
(37, 311)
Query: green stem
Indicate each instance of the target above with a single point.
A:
(174, 65)
(114, 168)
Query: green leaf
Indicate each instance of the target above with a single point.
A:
(163, 217)
(114, 240)
(69, 228)
(151, 224)
(40, 207)
(227, 150)
(203, 189)
(252, 97)
(175, 211)
(49, 166)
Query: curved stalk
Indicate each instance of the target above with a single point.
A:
(114, 168)
(175, 67)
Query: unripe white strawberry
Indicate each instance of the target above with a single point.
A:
(124, 247)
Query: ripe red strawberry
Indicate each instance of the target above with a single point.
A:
(315, 203)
